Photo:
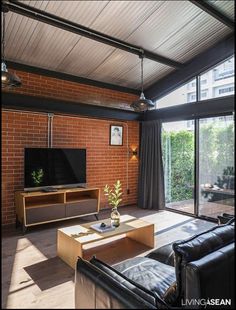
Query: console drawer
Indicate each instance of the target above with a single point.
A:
(44, 214)
(81, 207)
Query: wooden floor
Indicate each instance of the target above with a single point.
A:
(33, 277)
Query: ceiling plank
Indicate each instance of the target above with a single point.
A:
(208, 8)
(48, 18)
(69, 77)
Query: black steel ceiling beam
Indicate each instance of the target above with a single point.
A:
(15, 101)
(53, 20)
(202, 62)
(193, 110)
(69, 77)
(208, 8)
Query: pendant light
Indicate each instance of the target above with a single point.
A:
(8, 79)
(142, 104)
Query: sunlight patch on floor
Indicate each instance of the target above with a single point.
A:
(164, 218)
(23, 291)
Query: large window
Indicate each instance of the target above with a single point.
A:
(178, 158)
(199, 174)
(183, 94)
(216, 166)
(219, 81)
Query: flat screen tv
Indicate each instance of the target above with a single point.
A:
(54, 168)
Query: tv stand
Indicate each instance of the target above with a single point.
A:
(34, 208)
(49, 190)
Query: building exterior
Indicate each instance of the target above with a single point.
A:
(217, 82)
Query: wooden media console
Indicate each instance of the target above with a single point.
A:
(34, 208)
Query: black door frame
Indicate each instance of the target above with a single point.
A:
(196, 172)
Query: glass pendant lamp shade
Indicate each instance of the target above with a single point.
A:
(142, 104)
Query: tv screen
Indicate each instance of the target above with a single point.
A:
(46, 167)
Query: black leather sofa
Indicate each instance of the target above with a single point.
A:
(194, 273)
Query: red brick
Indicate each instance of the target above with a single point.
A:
(105, 164)
(38, 85)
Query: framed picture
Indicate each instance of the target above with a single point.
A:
(116, 135)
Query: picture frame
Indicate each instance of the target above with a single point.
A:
(116, 135)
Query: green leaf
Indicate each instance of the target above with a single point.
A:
(113, 195)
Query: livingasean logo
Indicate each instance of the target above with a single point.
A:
(206, 302)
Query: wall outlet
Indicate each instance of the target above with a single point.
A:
(127, 191)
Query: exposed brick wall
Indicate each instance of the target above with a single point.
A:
(42, 86)
(105, 163)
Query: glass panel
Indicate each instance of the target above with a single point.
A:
(178, 158)
(183, 94)
(216, 166)
(219, 81)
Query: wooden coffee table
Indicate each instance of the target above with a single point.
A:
(131, 238)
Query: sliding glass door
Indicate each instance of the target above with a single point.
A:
(208, 164)
(178, 158)
(216, 166)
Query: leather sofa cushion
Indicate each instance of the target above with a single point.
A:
(119, 277)
(197, 247)
(204, 243)
(151, 274)
(164, 254)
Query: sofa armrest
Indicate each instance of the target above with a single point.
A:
(95, 289)
(164, 254)
(225, 218)
(219, 268)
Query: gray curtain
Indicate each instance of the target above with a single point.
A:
(151, 176)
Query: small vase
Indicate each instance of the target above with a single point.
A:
(115, 217)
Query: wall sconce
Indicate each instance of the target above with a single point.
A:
(133, 152)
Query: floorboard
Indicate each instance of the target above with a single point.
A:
(33, 277)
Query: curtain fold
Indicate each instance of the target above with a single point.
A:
(151, 176)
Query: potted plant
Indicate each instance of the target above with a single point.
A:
(114, 199)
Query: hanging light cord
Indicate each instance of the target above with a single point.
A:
(142, 74)
(3, 36)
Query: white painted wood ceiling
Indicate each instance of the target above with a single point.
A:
(178, 30)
